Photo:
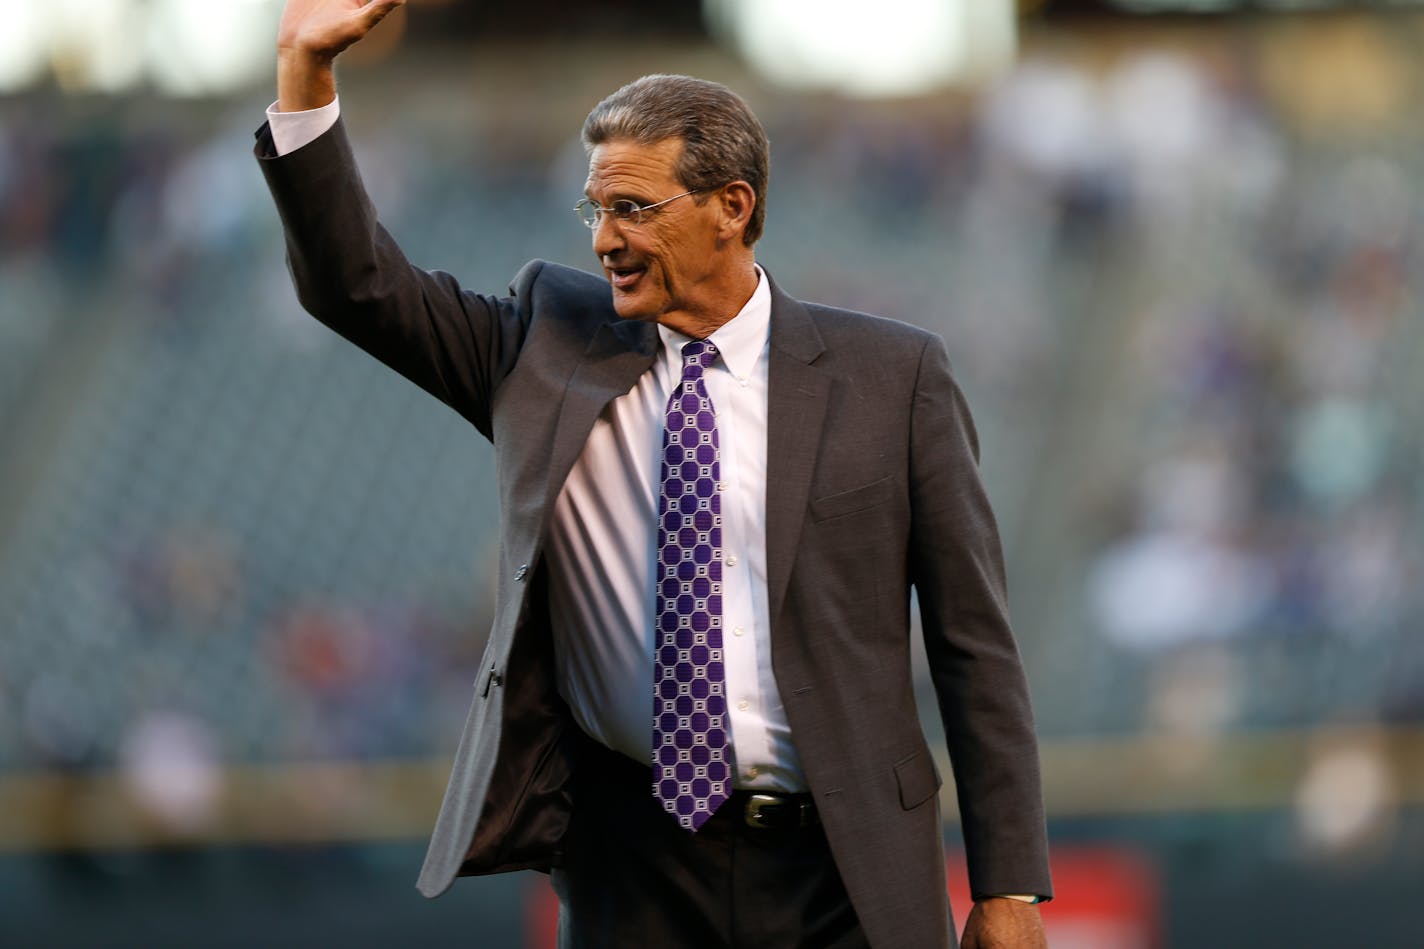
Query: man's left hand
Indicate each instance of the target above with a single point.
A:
(1002, 923)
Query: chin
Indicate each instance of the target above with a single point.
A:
(634, 313)
(632, 308)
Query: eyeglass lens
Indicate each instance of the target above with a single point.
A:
(624, 210)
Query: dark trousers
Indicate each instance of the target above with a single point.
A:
(633, 878)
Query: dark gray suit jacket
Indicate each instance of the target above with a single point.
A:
(872, 486)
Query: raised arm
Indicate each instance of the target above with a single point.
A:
(311, 35)
(348, 270)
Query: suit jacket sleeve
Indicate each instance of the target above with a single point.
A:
(351, 275)
(958, 572)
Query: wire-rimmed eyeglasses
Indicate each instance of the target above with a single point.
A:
(623, 210)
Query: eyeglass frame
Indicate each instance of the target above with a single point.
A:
(632, 216)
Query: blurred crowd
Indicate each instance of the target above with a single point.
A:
(1188, 328)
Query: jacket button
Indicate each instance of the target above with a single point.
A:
(520, 573)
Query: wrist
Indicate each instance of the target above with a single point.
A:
(305, 79)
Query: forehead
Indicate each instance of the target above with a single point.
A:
(626, 164)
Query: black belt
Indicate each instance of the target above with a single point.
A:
(760, 810)
(769, 810)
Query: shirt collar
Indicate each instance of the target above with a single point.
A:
(741, 340)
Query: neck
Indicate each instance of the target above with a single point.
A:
(729, 299)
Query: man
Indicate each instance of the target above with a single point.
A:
(695, 707)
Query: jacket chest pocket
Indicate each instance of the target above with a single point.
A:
(843, 503)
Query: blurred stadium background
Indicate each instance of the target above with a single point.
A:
(1175, 247)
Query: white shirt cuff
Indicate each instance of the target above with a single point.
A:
(292, 130)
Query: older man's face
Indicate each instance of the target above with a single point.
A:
(665, 268)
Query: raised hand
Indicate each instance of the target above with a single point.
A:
(309, 37)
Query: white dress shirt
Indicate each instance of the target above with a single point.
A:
(602, 558)
(602, 538)
(292, 130)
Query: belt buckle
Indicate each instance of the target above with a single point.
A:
(755, 803)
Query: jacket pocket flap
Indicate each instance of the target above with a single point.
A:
(918, 779)
(848, 502)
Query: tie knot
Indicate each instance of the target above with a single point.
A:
(696, 357)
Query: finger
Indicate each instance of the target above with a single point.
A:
(377, 10)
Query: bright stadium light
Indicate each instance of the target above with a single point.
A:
(889, 48)
(24, 45)
(185, 47)
(197, 47)
(92, 45)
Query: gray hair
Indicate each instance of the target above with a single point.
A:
(722, 140)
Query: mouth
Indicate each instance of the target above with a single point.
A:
(625, 278)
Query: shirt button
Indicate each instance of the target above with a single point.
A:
(743, 705)
(739, 631)
(520, 573)
(731, 561)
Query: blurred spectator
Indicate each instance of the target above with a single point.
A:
(170, 764)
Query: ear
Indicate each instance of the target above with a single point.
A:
(738, 200)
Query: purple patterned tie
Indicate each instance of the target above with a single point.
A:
(690, 773)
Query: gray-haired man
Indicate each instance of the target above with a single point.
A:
(695, 707)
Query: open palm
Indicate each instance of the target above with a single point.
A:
(326, 27)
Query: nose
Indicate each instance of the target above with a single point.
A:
(607, 236)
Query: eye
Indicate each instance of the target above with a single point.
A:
(625, 210)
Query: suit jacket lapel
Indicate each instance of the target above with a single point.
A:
(618, 354)
(797, 393)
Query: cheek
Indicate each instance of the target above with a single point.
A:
(661, 259)
(678, 257)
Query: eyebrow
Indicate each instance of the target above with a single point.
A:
(636, 197)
